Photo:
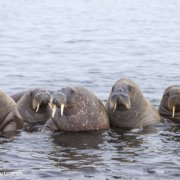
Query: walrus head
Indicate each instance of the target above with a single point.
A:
(120, 98)
(170, 103)
(41, 99)
(59, 101)
(65, 100)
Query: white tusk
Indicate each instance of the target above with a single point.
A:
(51, 100)
(34, 104)
(50, 105)
(62, 109)
(173, 111)
(53, 111)
(37, 107)
(112, 105)
(53, 108)
(115, 105)
(127, 105)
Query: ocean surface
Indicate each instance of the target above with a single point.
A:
(93, 43)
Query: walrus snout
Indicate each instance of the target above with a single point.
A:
(119, 101)
(59, 101)
(41, 99)
(174, 103)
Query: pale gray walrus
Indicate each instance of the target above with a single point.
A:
(10, 119)
(128, 108)
(78, 109)
(35, 106)
(170, 104)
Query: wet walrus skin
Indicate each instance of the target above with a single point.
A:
(128, 108)
(10, 119)
(78, 110)
(170, 104)
(35, 106)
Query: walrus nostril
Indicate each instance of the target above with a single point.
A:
(119, 90)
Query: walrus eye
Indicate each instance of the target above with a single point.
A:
(113, 89)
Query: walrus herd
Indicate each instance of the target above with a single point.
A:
(78, 109)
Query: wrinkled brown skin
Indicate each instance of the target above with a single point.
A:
(83, 111)
(171, 97)
(25, 106)
(10, 119)
(141, 112)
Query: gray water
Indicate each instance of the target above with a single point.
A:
(51, 44)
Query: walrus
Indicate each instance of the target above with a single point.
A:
(78, 109)
(35, 106)
(10, 118)
(128, 108)
(169, 107)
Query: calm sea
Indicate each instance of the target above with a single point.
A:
(51, 44)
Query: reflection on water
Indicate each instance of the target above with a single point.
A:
(104, 154)
(92, 43)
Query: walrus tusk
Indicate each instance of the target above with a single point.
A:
(53, 111)
(51, 100)
(50, 105)
(62, 109)
(173, 111)
(113, 105)
(53, 108)
(37, 107)
(127, 105)
(34, 103)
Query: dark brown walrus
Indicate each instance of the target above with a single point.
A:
(35, 106)
(170, 104)
(128, 108)
(78, 110)
(10, 119)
